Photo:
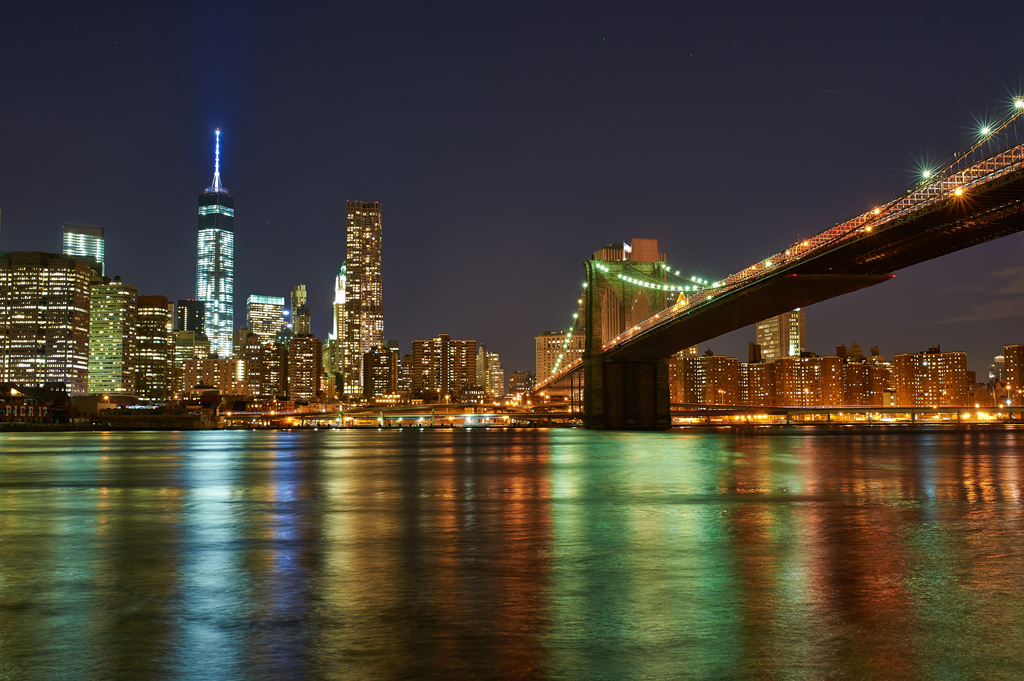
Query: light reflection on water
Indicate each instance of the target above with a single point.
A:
(511, 554)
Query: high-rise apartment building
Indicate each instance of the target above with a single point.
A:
(215, 266)
(550, 344)
(864, 383)
(757, 384)
(154, 349)
(191, 316)
(380, 373)
(265, 316)
(808, 381)
(443, 367)
(931, 379)
(225, 374)
(782, 335)
(675, 371)
(364, 291)
(44, 320)
(304, 367)
(710, 379)
(1013, 373)
(85, 242)
(346, 358)
(112, 328)
(300, 311)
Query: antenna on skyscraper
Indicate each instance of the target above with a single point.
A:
(217, 186)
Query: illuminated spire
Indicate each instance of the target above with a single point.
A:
(217, 186)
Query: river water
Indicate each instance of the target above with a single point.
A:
(879, 553)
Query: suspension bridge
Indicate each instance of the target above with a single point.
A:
(635, 315)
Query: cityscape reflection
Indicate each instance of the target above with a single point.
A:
(489, 553)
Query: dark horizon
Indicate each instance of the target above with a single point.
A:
(506, 144)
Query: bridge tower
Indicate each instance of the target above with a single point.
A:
(620, 292)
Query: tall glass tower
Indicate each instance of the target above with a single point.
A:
(215, 269)
(84, 242)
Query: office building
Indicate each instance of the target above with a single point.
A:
(489, 374)
(300, 317)
(380, 373)
(405, 368)
(187, 345)
(364, 291)
(44, 320)
(550, 344)
(443, 368)
(154, 349)
(304, 367)
(85, 242)
(782, 335)
(215, 265)
(521, 382)
(112, 327)
(191, 316)
(265, 316)
(997, 370)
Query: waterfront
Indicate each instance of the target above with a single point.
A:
(476, 553)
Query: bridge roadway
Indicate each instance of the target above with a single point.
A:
(626, 378)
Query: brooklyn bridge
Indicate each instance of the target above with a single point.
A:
(635, 311)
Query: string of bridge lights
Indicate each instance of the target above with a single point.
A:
(567, 339)
(985, 133)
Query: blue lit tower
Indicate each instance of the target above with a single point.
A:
(215, 268)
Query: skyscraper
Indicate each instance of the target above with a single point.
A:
(781, 336)
(44, 320)
(265, 316)
(112, 327)
(364, 290)
(85, 242)
(215, 267)
(192, 317)
(443, 367)
(304, 367)
(300, 311)
(154, 349)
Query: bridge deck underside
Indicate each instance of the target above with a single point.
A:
(984, 214)
(744, 308)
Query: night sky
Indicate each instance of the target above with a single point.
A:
(507, 142)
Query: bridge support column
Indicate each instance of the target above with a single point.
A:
(626, 395)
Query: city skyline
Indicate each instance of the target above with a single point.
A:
(530, 184)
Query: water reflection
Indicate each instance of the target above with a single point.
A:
(511, 554)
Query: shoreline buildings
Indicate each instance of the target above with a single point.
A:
(49, 343)
(215, 264)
